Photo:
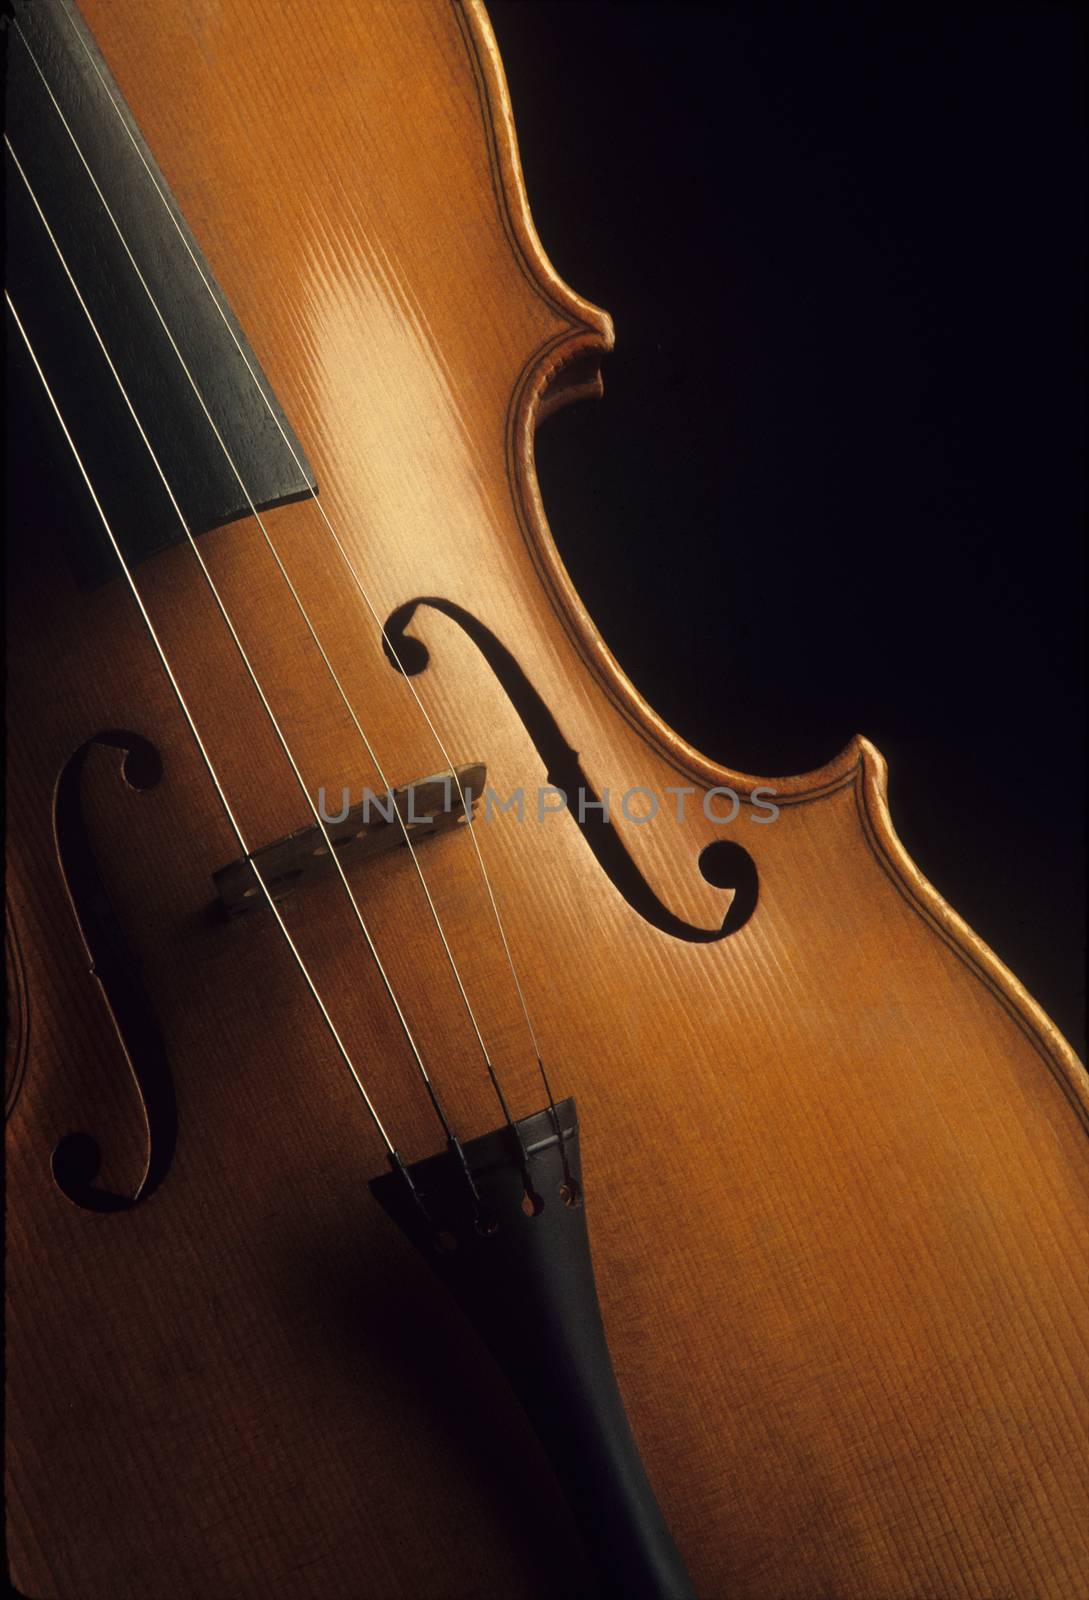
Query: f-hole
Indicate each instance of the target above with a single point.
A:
(77, 1158)
(724, 863)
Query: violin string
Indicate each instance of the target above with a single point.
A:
(433, 1095)
(367, 743)
(364, 595)
(179, 695)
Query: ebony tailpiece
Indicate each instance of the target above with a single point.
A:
(528, 1288)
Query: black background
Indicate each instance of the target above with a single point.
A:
(836, 484)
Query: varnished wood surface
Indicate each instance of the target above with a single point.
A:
(836, 1162)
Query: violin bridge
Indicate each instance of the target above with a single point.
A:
(378, 823)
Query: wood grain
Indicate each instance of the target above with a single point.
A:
(835, 1163)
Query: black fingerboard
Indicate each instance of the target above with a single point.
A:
(69, 130)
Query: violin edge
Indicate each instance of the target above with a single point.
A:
(565, 368)
(498, 117)
(888, 849)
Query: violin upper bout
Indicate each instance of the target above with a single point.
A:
(567, 366)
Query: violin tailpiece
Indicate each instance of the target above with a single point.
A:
(525, 1279)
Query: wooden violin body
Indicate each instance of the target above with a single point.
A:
(834, 1156)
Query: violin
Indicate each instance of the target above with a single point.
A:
(461, 1140)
